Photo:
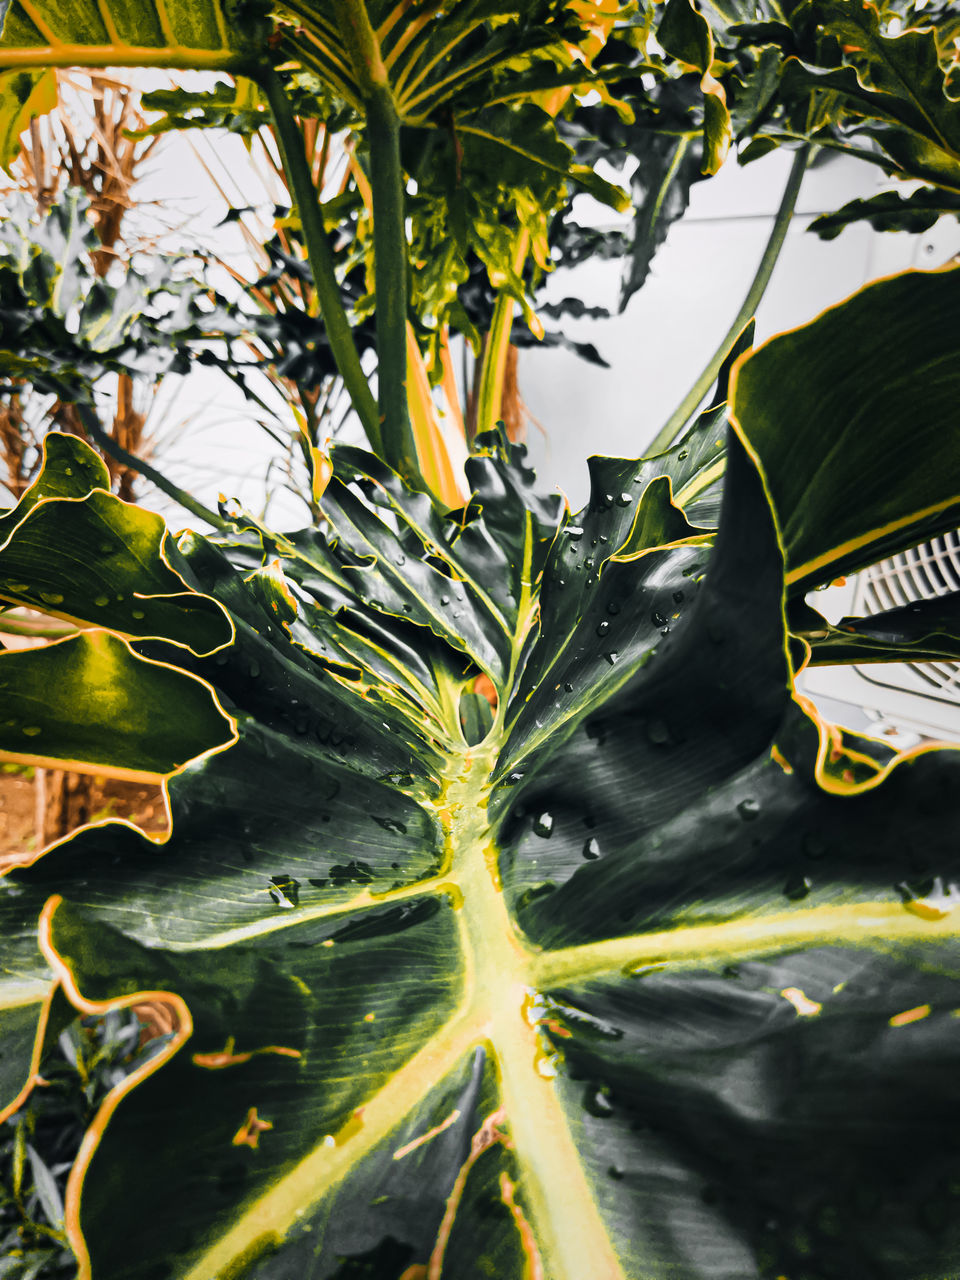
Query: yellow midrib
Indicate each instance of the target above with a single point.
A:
(498, 975)
(499, 979)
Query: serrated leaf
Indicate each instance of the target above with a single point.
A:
(354, 1063)
(90, 701)
(891, 211)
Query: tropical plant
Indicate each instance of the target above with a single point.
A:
(518, 915)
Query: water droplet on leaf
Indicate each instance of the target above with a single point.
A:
(285, 891)
(597, 1102)
(543, 826)
(624, 499)
(797, 887)
(814, 846)
(748, 809)
(603, 628)
(658, 731)
(591, 849)
(391, 824)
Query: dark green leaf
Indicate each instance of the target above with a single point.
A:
(830, 432)
(891, 211)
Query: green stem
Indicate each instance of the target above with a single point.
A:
(320, 255)
(389, 234)
(93, 428)
(688, 406)
(390, 268)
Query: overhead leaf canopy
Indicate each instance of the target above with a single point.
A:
(645, 971)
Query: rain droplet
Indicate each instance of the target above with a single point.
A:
(444, 600)
(568, 687)
(797, 887)
(611, 657)
(748, 809)
(512, 779)
(678, 597)
(603, 628)
(68, 471)
(591, 849)
(681, 455)
(814, 846)
(391, 824)
(658, 731)
(613, 608)
(589, 562)
(543, 826)
(624, 499)
(607, 501)
(31, 730)
(561, 582)
(101, 601)
(254, 669)
(51, 597)
(285, 891)
(573, 531)
(401, 560)
(137, 613)
(597, 1102)
(658, 619)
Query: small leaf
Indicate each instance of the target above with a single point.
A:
(45, 1186)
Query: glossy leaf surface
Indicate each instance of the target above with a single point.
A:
(816, 420)
(657, 977)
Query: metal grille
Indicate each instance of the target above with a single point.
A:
(932, 569)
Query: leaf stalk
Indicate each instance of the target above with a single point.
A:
(320, 255)
(758, 287)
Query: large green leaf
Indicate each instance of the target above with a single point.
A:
(859, 455)
(895, 88)
(648, 981)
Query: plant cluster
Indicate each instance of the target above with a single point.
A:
(517, 914)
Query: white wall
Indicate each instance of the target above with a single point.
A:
(670, 329)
